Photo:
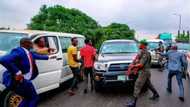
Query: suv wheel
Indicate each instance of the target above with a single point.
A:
(97, 87)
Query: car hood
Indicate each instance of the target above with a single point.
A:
(183, 51)
(116, 57)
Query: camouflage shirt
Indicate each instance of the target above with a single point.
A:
(145, 60)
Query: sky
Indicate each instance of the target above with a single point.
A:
(145, 16)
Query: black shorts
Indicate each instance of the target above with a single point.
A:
(88, 71)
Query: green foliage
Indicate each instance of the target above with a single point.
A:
(183, 37)
(61, 19)
(114, 31)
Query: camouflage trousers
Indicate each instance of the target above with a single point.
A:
(143, 78)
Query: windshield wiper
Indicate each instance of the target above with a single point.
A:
(108, 53)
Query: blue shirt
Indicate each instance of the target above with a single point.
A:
(176, 60)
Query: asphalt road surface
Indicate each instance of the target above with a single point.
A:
(118, 97)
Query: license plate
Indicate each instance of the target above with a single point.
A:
(121, 77)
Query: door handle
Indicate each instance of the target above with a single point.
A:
(59, 59)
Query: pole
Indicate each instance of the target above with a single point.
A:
(180, 22)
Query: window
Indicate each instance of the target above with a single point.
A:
(80, 42)
(65, 43)
(53, 43)
(9, 41)
(49, 42)
(153, 45)
(119, 47)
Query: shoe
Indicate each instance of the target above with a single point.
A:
(71, 93)
(85, 91)
(169, 90)
(181, 99)
(154, 97)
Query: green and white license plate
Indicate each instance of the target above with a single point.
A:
(121, 77)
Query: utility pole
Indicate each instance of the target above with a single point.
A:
(180, 22)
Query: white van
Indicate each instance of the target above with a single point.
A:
(52, 72)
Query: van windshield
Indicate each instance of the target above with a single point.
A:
(119, 47)
(153, 45)
(9, 41)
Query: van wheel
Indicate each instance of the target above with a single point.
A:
(10, 99)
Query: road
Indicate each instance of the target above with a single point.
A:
(118, 98)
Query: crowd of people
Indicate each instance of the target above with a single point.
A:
(21, 63)
(176, 66)
(88, 55)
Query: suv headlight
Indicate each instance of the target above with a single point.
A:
(100, 66)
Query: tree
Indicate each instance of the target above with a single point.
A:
(60, 19)
(183, 37)
(119, 31)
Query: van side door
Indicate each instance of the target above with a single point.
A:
(49, 70)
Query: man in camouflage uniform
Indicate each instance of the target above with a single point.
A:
(143, 75)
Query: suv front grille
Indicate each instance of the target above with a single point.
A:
(111, 77)
(118, 67)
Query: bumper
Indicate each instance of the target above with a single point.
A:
(154, 61)
(112, 79)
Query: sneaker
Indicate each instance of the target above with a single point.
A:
(154, 97)
(71, 93)
(181, 99)
(85, 91)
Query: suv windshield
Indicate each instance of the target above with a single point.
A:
(10, 40)
(152, 45)
(119, 47)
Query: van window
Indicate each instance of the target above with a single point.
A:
(65, 43)
(51, 42)
(80, 42)
(10, 40)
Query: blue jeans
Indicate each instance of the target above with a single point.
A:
(178, 75)
(76, 78)
(27, 90)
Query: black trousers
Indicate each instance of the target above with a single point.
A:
(88, 71)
